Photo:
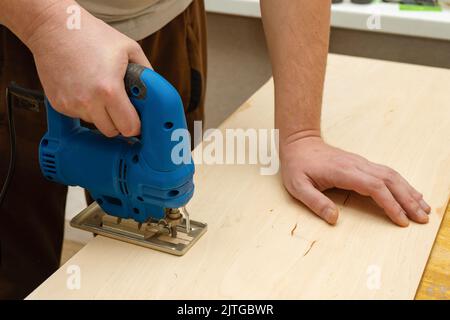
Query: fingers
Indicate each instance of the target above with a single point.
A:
(100, 117)
(368, 185)
(332, 167)
(316, 201)
(137, 55)
(119, 115)
(121, 111)
(409, 198)
(90, 111)
(119, 107)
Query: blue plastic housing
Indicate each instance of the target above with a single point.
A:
(128, 177)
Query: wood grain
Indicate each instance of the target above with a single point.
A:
(435, 283)
(391, 113)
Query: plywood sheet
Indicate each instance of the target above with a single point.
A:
(392, 113)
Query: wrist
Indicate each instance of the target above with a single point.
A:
(305, 136)
(287, 138)
(295, 120)
(44, 21)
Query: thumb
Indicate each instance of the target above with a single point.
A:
(315, 200)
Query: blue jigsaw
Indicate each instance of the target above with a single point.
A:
(141, 184)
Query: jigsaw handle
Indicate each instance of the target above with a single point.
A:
(60, 126)
(160, 110)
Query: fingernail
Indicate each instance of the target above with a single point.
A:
(330, 215)
(404, 219)
(422, 215)
(425, 206)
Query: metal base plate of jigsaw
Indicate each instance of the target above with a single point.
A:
(95, 220)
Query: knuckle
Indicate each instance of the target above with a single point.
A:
(135, 47)
(106, 89)
(296, 185)
(412, 204)
(417, 195)
(376, 185)
(344, 163)
(390, 175)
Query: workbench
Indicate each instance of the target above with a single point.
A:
(261, 243)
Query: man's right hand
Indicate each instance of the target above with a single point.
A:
(82, 71)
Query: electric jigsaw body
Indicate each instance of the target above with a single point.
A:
(140, 192)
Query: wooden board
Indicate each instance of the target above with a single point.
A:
(435, 283)
(392, 113)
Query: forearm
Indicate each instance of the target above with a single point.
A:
(297, 34)
(23, 17)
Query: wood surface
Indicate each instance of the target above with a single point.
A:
(69, 249)
(435, 283)
(391, 113)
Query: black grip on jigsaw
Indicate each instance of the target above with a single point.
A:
(133, 82)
